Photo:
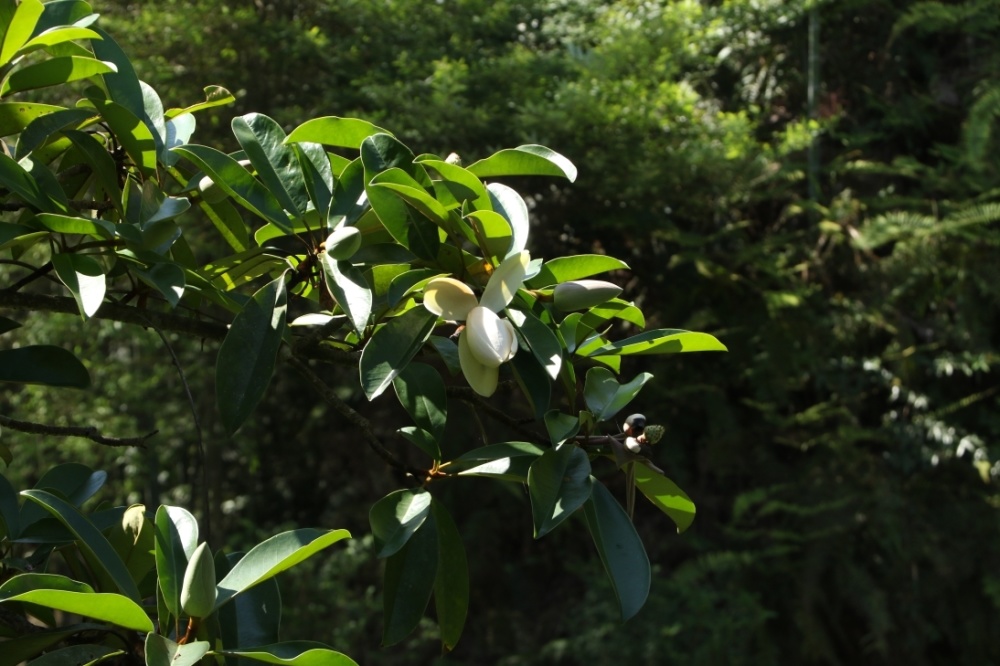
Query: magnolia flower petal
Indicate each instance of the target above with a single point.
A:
(449, 298)
(489, 339)
(513, 337)
(482, 378)
(505, 281)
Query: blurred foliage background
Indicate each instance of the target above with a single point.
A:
(815, 183)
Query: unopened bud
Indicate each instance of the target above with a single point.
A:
(198, 592)
(583, 294)
(343, 243)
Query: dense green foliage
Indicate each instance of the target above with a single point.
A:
(842, 455)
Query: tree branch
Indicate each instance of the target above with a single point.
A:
(88, 432)
(468, 395)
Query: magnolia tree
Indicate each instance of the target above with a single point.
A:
(414, 270)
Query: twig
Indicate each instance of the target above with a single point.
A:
(468, 395)
(332, 399)
(89, 432)
(31, 277)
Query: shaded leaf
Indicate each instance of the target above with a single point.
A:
(409, 580)
(421, 391)
(43, 364)
(451, 585)
(540, 340)
(605, 397)
(559, 483)
(262, 139)
(621, 550)
(84, 277)
(392, 347)
(396, 517)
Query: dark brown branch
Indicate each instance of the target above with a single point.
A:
(165, 321)
(88, 432)
(363, 425)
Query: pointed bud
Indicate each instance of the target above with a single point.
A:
(583, 294)
(343, 243)
(198, 591)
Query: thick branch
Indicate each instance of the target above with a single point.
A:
(127, 314)
(89, 432)
(362, 424)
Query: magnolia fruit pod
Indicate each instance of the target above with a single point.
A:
(198, 592)
(583, 294)
(343, 243)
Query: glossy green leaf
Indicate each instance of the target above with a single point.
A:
(166, 278)
(661, 341)
(421, 391)
(152, 115)
(509, 204)
(16, 116)
(84, 277)
(317, 175)
(122, 85)
(176, 540)
(461, 184)
(57, 36)
(41, 129)
(54, 72)
(293, 653)
(75, 655)
(334, 131)
(256, 613)
(666, 495)
(133, 133)
(22, 24)
(230, 175)
(347, 286)
(409, 580)
(19, 649)
(89, 539)
(248, 354)
(564, 269)
(106, 607)
(27, 582)
(408, 281)
(63, 224)
(16, 179)
(73, 481)
(349, 198)
(451, 585)
(406, 188)
(559, 483)
(540, 340)
(621, 550)
(509, 461)
(392, 347)
(65, 12)
(214, 96)
(178, 133)
(262, 139)
(43, 364)
(228, 223)
(526, 160)
(396, 517)
(561, 427)
(161, 651)
(96, 155)
(605, 396)
(269, 558)
(534, 382)
(423, 440)
(492, 232)
(597, 317)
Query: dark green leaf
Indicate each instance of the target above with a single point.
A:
(63, 224)
(43, 364)
(534, 382)
(559, 483)
(561, 427)
(317, 176)
(392, 347)
(409, 581)
(42, 128)
(15, 116)
(509, 461)
(19, 649)
(9, 511)
(20, 182)
(161, 651)
(540, 340)
(122, 85)
(84, 277)
(347, 285)
(423, 440)
(90, 540)
(8, 325)
(396, 517)
(403, 283)
(248, 354)
(75, 655)
(605, 396)
(228, 223)
(277, 166)
(451, 585)
(134, 134)
(421, 391)
(620, 549)
(176, 540)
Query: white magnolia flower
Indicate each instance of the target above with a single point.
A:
(487, 340)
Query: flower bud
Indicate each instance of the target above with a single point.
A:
(198, 591)
(583, 294)
(343, 243)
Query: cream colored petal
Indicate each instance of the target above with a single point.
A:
(489, 339)
(482, 378)
(513, 337)
(505, 281)
(449, 298)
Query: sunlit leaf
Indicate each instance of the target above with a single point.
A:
(666, 495)
(396, 517)
(661, 341)
(392, 347)
(113, 608)
(527, 160)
